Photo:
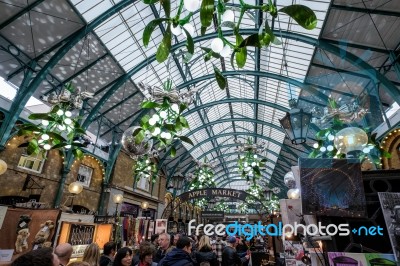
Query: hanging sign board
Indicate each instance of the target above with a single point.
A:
(213, 192)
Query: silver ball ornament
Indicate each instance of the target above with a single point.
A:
(289, 180)
(129, 144)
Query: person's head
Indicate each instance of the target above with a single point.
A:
(146, 254)
(64, 253)
(204, 242)
(185, 244)
(154, 239)
(176, 238)
(92, 254)
(110, 248)
(164, 241)
(123, 257)
(232, 241)
(79, 263)
(205, 263)
(38, 257)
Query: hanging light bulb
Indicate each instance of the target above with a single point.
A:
(152, 122)
(156, 131)
(47, 147)
(189, 28)
(176, 30)
(61, 127)
(68, 114)
(217, 45)
(67, 121)
(228, 16)
(44, 137)
(175, 108)
(156, 118)
(163, 114)
(60, 112)
(226, 51)
(191, 5)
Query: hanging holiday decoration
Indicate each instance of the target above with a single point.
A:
(202, 176)
(58, 129)
(249, 163)
(341, 140)
(218, 15)
(167, 121)
(276, 190)
(136, 149)
(145, 167)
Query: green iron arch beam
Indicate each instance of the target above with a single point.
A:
(25, 93)
(351, 58)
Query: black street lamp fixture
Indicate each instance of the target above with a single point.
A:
(177, 182)
(296, 123)
(268, 194)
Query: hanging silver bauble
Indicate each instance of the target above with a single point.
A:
(289, 180)
(129, 144)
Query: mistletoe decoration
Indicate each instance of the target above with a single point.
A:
(249, 163)
(167, 119)
(145, 166)
(225, 18)
(202, 177)
(325, 148)
(57, 130)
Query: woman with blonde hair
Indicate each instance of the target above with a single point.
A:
(205, 253)
(92, 254)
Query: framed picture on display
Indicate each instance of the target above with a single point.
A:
(84, 175)
(143, 183)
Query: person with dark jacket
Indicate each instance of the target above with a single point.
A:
(179, 256)
(230, 257)
(205, 253)
(109, 250)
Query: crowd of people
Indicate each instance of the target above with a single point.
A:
(161, 250)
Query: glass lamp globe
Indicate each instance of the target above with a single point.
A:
(293, 193)
(129, 144)
(289, 180)
(3, 167)
(144, 205)
(118, 198)
(75, 188)
(217, 45)
(350, 139)
(191, 5)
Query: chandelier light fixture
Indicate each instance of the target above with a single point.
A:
(250, 164)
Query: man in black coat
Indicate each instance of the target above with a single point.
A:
(179, 256)
(229, 256)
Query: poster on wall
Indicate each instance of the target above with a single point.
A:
(151, 229)
(161, 226)
(293, 253)
(332, 187)
(390, 204)
(362, 259)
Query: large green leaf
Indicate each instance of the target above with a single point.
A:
(166, 4)
(221, 80)
(252, 40)
(148, 30)
(150, 1)
(139, 136)
(33, 147)
(149, 105)
(186, 139)
(206, 13)
(183, 121)
(210, 52)
(241, 55)
(165, 46)
(186, 19)
(56, 136)
(45, 116)
(173, 151)
(78, 154)
(189, 45)
(303, 15)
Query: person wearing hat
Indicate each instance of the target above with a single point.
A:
(229, 256)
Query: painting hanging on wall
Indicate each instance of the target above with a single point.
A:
(332, 187)
(362, 259)
(390, 204)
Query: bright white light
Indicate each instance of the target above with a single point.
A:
(152, 122)
(45, 137)
(60, 112)
(329, 148)
(45, 122)
(191, 5)
(147, 161)
(315, 145)
(189, 28)
(226, 51)
(322, 149)
(167, 135)
(176, 30)
(175, 108)
(68, 114)
(61, 127)
(156, 131)
(67, 121)
(253, 164)
(47, 147)
(163, 114)
(255, 156)
(228, 16)
(331, 137)
(217, 45)
(68, 146)
(156, 118)
(366, 150)
(148, 168)
(245, 164)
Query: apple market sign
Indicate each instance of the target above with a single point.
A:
(213, 192)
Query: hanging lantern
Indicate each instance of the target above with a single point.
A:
(177, 181)
(268, 194)
(350, 139)
(3, 167)
(296, 123)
